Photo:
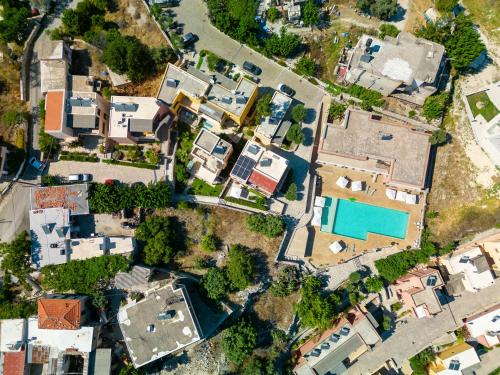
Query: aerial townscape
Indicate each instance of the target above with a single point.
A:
(249, 187)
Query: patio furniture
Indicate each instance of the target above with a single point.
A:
(316, 220)
(357, 186)
(337, 246)
(401, 196)
(411, 199)
(391, 194)
(319, 201)
(342, 182)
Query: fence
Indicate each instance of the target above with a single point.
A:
(26, 58)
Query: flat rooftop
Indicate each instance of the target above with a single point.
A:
(280, 103)
(368, 139)
(212, 144)
(84, 248)
(52, 50)
(12, 335)
(149, 333)
(53, 75)
(232, 97)
(72, 197)
(404, 58)
(50, 231)
(177, 79)
(128, 111)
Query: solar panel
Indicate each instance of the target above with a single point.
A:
(464, 259)
(454, 365)
(243, 167)
(126, 107)
(431, 281)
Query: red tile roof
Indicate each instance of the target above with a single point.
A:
(262, 181)
(13, 363)
(54, 106)
(59, 313)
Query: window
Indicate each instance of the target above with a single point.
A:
(454, 365)
(98, 112)
(431, 281)
(63, 252)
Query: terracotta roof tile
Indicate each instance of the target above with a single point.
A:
(59, 313)
(54, 106)
(13, 363)
(262, 181)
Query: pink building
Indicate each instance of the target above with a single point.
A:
(417, 291)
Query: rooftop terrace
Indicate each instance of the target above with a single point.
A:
(72, 197)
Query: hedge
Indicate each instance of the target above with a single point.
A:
(78, 157)
(244, 202)
(131, 164)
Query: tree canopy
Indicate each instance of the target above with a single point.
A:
(314, 309)
(273, 14)
(387, 29)
(374, 284)
(310, 13)
(268, 225)
(10, 308)
(238, 341)
(284, 44)
(16, 256)
(14, 23)
(383, 9)
(215, 284)
(439, 137)
(295, 134)
(299, 113)
(157, 239)
(239, 268)
(305, 67)
(434, 106)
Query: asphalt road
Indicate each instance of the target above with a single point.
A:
(193, 16)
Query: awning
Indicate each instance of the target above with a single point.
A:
(411, 199)
(336, 247)
(319, 201)
(316, 220)
(401, 196)
(390, 193)
(357, 186)
(342, 182)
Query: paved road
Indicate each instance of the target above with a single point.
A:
(415, 336)
(193, 15)
(15, 205)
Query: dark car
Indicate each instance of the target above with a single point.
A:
(189, 38)
(252, 68)
(287, 90)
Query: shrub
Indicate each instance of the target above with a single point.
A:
(263, 107)
(258, 204)
(79, 156)
(386, 322)
(387, 29)
(181, 173)
(273, 14)
(305, 67)
(20, 138)
(374, 284)
(336, 111)
(117, 155)
(239, 268)
(287, 282)
(200, 187)
(354, 277)
(269, 225)
(298, 113)
(249, 132)
(412, 113)
(157, 239)
(130, 164)
(370, 98)
(438, 137)
(396, 306)
(314, 309)
(420, 362)
(291, 193)
(208, 243)
(13, 117)
(152, 156)
(49, 180)
(283, 45)
(238, 341)
(445, 6)
(434, 106)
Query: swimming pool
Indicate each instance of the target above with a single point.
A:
(356, 220)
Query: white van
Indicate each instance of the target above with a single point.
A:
(80, 177)
(74, 178)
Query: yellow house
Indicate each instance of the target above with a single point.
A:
(454, 360)
(214, 98)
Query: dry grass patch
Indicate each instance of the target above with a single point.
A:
(487, 14)
(277, 311)
(415, 16)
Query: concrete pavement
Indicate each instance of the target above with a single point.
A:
(411, 338)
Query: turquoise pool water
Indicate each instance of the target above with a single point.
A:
(356, 220)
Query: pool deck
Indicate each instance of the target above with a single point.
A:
(321, 254)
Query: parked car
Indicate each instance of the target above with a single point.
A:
(84, 177)
(252, 68)
(189, 38)
(37, 164)
(287, 90)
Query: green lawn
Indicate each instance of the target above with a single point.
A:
(200, 187)
(488, 111)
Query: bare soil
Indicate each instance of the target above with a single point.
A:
(276, 311)
(415, 16)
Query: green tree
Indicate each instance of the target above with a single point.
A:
(354, 277)
(47, 143)
(273, 14)
(49, 180)
(364, 5)
(263, 107)
(305, 67)
(299, 113)
(14, 23)
(14, 116)
(420, 362)
(374, 284)
(386, 322)
(208, 243)
(269, 225)
(439, 137)
(291, 192)
(387, 29)
(99, 300)
(313, 309)
(384, 9)
(238, 341)
(434, 106)
(215, 284)
(161, 56)
(239, 268)
(282, 45)
(310, 13)
(287, 282)
(16, 256)
(181, 173)
(464, 44)
(157, 240)
(10, 307)
(295, 134)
